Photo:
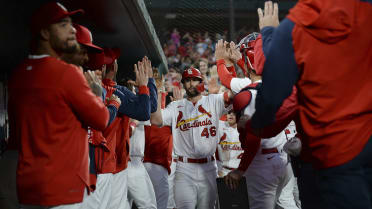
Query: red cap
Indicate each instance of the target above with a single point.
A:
(111, 54)
(49, 13)
(191, 73)
(84, 37)
(96, 60)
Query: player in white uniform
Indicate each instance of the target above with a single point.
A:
(269, 171)
(194, 123)
(140, 189)
(229, 149)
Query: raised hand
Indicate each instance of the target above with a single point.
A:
(141, 74)
(147, 65)
(221, 50)
(94, 82)
(235, 54)
(270, 16)
(213, 87)
(177, 94)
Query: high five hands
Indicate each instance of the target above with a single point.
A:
(270, 15)
(143, 71)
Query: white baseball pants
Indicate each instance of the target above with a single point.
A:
(99, 199)
(195, 185)
(140, 189)
(159, 178)
(119, 190)
(266, 177)
(171, 200)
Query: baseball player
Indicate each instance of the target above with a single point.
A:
(268, 171)
(195, 122)
(102, 159)
(134, 106)
(158, 159)
(229, 150)
(48, 125)
(321, 47)
(140, 189)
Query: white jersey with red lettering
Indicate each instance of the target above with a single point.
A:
(229, 147)
(194, 130)
(194, 126)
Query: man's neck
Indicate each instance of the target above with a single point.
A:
(194, 99)
(45, 48)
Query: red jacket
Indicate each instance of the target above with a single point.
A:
(159, 146)
(50, 106)
(333, 52)
(122, 143)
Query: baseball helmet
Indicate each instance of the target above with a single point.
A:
(194, 73)
(191, 73)
(246, 46)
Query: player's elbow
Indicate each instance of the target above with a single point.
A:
(156, 119)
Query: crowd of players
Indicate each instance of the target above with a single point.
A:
(78, 139)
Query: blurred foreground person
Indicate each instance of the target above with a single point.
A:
(49, 125)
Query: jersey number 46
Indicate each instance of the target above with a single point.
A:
(211, 131)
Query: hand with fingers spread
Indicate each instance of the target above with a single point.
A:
(232, 179)
(270, 16)
(235, 54)
(147, 64)
(94, 82)
(141, 74)
(213, 87)
(221, 50)
(177, 94)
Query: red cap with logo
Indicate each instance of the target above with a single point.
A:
(49, 13)
(191, 73)
(84, 37)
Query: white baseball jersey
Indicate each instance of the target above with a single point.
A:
(237, 84)
(248, 112)
(290, 131)
(137, 140)
(229, 147)
(194, 126)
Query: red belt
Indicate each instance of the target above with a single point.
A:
(174, 160)
(269, 151)
(200, 160)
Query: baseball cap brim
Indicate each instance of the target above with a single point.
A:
(93, 48)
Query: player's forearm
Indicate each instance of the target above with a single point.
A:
(224, 74)
(156, 117)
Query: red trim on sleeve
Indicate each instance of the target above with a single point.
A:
(223, 73)
(144, 90)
